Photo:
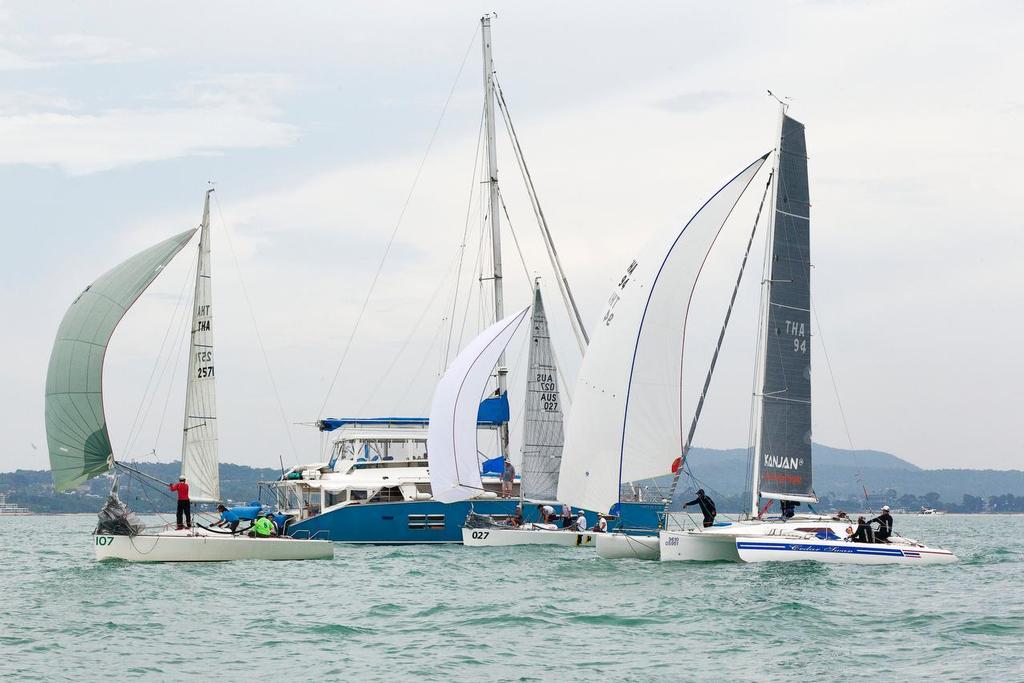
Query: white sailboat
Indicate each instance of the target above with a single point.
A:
(76, 429)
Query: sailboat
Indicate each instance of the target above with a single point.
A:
(76, 429)
(628, 410)
(541, 449)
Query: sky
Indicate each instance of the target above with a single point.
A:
(321, 126)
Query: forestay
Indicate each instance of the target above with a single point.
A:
(627, 421)
(199, 441)
(76, 427)
(452, 434)
(785, 437)
(542, 432)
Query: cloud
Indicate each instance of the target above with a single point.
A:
(692, 102)
(203, 117)
(38, 52)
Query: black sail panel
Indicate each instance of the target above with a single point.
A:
(785, 451)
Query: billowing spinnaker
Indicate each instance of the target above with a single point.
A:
(542, 430)
(76, 428)
(785, 444)
(626, 421)
(199, 461)
(451, 437)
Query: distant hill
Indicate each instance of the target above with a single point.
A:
(840, 477)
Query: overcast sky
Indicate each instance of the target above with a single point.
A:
(313, 119)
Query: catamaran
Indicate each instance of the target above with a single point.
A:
(76, 428)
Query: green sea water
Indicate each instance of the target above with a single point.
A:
(526, 614)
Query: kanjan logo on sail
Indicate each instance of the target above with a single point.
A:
(781, 462)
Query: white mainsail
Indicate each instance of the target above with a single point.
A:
(542, 430)
(626, 423)
(199, 461)
(452, 435)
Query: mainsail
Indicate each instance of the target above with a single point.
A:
(76, 427)
(784, 439)
(542, 432)
(451, 437)
(199, 441)
(626, 423)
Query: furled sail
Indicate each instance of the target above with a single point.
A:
(76, 427)
(784, 451)
(542, 432)
(199, 441)
(626, 423)
(451, 436)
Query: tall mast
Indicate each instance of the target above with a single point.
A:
(762, 351)
(494, 210)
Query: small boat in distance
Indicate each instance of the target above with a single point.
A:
(10, 509)
(76, 428)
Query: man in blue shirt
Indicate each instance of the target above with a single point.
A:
(228, 518)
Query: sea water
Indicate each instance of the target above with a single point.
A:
(527, 613)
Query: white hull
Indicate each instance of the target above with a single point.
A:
(203, 547)
(718, 543)
(620, 546)
(501, 537)
(761, 549)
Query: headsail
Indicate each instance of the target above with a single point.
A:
(542, 432)
(451, 437)
(626, 423)
(199, 441)
(76, 427)
(784, 443)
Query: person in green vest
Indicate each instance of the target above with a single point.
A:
(262, 527)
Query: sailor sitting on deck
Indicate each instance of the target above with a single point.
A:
(884, 525)
(863, 534)
(707, 507)
(601, 526)
(788, 508)
(516, 519)
(262, 527)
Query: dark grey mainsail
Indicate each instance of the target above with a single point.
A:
(784, 447)
(542, 434)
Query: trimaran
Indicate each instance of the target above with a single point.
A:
(76, 428)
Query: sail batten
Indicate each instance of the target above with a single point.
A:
(542, 431)
(199, 460)
(76, 428)
(784, 444)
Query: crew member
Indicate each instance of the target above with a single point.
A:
(508, 475)
(262, 527)
(602, 525)
(788, 508)
(884, 525)
(516, 519)
(581, 522)
(546, 513)
(863, 534)
(184, 504)
(228, 518)
(707, 507)
(567, 519)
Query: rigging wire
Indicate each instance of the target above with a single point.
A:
(255, 326)
(394, 232)
(575, 319)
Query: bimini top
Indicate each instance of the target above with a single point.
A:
(493, 412)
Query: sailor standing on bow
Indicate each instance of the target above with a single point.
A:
(707, 507)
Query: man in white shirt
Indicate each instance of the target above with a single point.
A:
(602, 524)
(581, 522)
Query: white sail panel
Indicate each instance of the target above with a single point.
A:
(451, 437)
(542, 430)
(199, 461)
(626, 422)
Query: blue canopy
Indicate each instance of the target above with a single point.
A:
(493, 412)
(494, 466)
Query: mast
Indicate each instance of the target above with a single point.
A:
(494, 207)
(762, 351)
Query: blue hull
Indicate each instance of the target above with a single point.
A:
(429, 521)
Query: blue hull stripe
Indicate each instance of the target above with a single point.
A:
(810, 547)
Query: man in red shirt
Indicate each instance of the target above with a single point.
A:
(184, 504)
